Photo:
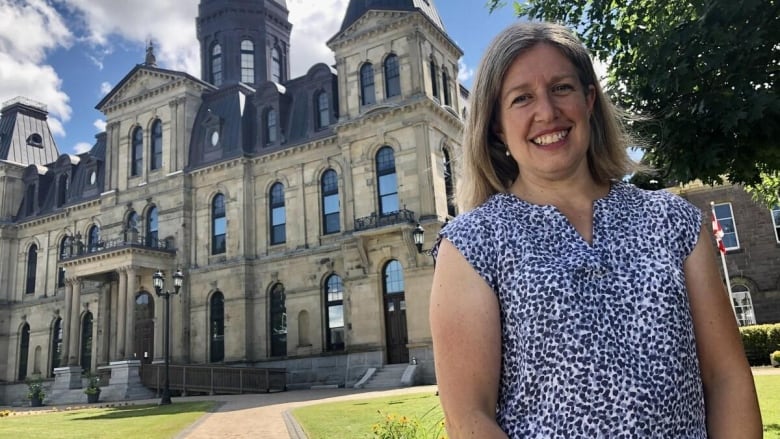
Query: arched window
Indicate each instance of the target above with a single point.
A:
(152, 227)
(278, 215)
(93, 239)
(323, 110)
(330, 202)
(24, 351)
(217, 327)
(132, 227)
(137, 152)
(392, 77)
(86, 342)
(62, 190)
(387, 181)
(445, 86)
(367, 92)
(276, 66)
(32, 266)
(394, 277)
(743, 305)
(56, 345)
(449, 186)
(434, 80)
(64, 251)
(218, 225)
(248, 61)
(155, 158)
(334, 313)
(278, 322)
(271, 126)
(216, 64)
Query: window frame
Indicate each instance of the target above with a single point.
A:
(367, 85)
(384, 172)
(392, 72)
(32, 269)
(333, 295)
(727, 223)
(278, 230)
(136, 151)
(322, 110)
(152, 229)
(271, 125)
(156, 146)
(776, 222)
(247, 61)
(276, 65)
(328, 189)
(216, 64)
(744, 312)
(218, 212)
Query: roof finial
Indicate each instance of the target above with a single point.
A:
(150, 59)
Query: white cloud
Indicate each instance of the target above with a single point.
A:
(82, 147)
(312, 27)
(29, 29)
(100, 124)
(105, 87)
(464, 72)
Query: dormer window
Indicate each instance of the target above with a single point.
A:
(35, 140)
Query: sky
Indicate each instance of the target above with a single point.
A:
(67, 54)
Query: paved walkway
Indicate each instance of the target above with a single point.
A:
(266, 415)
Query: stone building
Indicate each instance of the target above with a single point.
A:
(752, 242)
(287, 203)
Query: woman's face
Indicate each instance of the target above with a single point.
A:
(543, 115)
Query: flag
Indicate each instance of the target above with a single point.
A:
(718, 232)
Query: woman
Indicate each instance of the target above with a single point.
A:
(565, 302)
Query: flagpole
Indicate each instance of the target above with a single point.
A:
(723, 259)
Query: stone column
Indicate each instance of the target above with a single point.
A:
(73, 348)
(130, 315)
(105, 323)
(65, 324)
(121, 315)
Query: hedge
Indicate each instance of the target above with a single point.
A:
(759, 341)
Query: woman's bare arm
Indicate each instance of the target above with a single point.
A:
(729, 392)
(466, 330)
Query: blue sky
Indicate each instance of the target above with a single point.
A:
(67, 54)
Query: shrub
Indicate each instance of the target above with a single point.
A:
(35, 389)
(759, 342)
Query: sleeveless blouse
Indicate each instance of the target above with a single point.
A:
(597, 339)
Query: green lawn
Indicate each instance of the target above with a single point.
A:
(146, 421)
(356, 418)
(768, 388)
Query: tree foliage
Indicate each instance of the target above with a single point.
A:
(702, 74)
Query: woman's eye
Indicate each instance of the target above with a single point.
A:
(519, 99)
(563, 88)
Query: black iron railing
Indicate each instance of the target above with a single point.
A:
(374, 220)
(215, 379)
(77, 248)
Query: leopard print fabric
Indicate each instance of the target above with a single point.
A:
(597, 339)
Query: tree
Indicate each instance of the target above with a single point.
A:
(702, 74)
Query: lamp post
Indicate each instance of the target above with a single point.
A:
(419, 238)
(158, 279)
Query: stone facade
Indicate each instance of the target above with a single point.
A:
(81, 259)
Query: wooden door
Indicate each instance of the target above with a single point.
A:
(395, 328)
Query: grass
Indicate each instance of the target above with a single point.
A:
(356, 418)
(768, 388)
(147, 421)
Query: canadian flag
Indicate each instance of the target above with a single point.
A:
(718, 232)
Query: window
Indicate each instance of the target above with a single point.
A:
(445, 86)
(776, 222)
(394, 277)
(278, 217)
(93, 239)
(276, 66)
(62, 190)
(218, 225)
(449, 187)
(392, 77)
(334, 307)
(61, 270)
(152, 227)
(270, 126)
(32, 267)
(743, 305)
(137, 152)
(217, 327)
(24, 348)
(323, 110)
(434, 80)
(35, 140)
(132, 227)
(387, 182)
(56, 345)
(330, 202)
(248, 62)
(216, 64)
(86, 342)
(726, 219)
(367, 84)
(155, 159)
(278, 322)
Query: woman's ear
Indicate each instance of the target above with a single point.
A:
(498, 133)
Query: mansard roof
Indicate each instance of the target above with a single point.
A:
(25, 137)
(357, 8)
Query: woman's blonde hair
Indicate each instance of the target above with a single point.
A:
(485, 169)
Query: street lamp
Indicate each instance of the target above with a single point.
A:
(158, 280)
(419, 238)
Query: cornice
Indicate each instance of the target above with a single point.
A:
(381, 112)
(167, 87)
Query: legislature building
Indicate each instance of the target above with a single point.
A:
(288, 204)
